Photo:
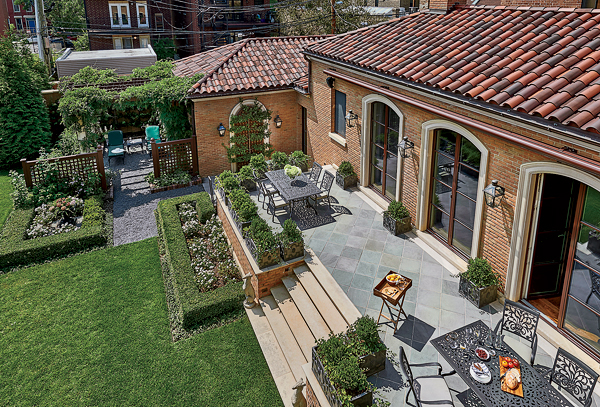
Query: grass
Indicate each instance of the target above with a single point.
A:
(93, 330)
(5, 200)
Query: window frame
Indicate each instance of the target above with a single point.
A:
(160, 26)
(17, 21)
(145, 37)
(28, 27)
(16, 8)
(339, 124)
(139, 21)
(29, 9)
(119, 15)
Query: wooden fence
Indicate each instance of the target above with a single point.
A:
(68, 166)
(169, 156)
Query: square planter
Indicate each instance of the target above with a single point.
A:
(373, 362)
(292, 251)
(361, 400)
(240, 224)
(346, 182)
(249, 185)
(396, 227)
(269, 258)
(480, 297)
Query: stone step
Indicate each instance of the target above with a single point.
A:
(290, 348)
(320, 298)
(278, 365)
(309, 312)
(294, 319)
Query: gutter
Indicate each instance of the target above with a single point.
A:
(559, 154)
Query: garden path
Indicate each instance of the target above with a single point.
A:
(134, 205)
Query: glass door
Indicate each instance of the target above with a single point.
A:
(383, 166)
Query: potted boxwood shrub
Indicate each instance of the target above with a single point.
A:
(299, 159)
(397, 218)
(279, 160)
(262, 243)
(364, 336)
(345, 176)
(258, 163)
(479, 284)
(227, 182)
(291, 241)
(246, 178)
(243, 208)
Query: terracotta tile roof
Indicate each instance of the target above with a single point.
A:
(543, 62)
(254, 64)
(301, 84)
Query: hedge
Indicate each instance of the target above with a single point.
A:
(16, 250)
(194, 306)
(93, 214)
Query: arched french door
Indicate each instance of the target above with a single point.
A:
(383, 146)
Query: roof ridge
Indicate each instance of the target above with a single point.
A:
(235, 51)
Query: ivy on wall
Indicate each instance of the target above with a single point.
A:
(248, 131)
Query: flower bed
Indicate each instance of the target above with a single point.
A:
(176, 180)
(63, 215)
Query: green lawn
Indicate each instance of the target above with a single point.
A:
(5, 201)
(93, 330)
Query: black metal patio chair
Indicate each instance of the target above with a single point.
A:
(276, 202)
(573, 376)
(521, 321)
(315, 172)
(265, 188)
(326, 184)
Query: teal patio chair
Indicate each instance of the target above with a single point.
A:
(115, 145)
(152, 133)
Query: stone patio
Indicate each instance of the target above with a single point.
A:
(351, 242)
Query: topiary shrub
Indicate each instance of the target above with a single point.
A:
(480, 272)
(397, 210)
(345, 169)
(93, 214)
(279, 160)
(259, 164)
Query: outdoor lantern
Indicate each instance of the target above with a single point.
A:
(330, 81)
(351, 118)
(278, 121)
(493, 194)
(221, 129)
(405, 146)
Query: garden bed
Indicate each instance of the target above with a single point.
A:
(154, 189)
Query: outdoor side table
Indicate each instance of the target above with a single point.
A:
(392, 295)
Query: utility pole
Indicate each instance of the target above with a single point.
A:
(42, 33)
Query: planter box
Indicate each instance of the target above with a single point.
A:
(248, 184)
(240, 225)
(480, 297)
(396, 227)
(292, 251)
(346, 182)
(154, 189)
(362, 400)
(373, 363)
(593, 242)
(268, 259)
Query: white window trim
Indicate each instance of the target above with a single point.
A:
(120, 25)
(366, 137)
(137, 9)
(17, 9)
(147, 37)
(22, 26)
(427, 137)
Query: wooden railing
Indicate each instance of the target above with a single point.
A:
(169, 156)
(69, 166)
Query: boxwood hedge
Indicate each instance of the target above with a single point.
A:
(16, 250)
(194, 306)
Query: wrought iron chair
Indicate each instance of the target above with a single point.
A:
(573, 376)
(595, 286)
(521, 321)
(276, 202)
(427, 390)
(265, 188)
(326, 184)
(315, 172)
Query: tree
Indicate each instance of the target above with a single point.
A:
(24, 122)
(164, 48)
(66, 17)
(315, 17)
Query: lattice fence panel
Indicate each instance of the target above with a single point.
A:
(173, 155)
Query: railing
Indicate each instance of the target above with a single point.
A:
(68, 167)
(170, 156)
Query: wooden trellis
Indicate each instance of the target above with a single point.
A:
(169, 156)
(69, 166)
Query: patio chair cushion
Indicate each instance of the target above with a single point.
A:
(152, 132)
(522, 349)
(115, 139)
(433, 388)
(111, 150)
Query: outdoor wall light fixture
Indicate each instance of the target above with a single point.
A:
(221, 129)
(278, 121)
(351, 119)
(493, 194)
(330, 81)
(405, 147)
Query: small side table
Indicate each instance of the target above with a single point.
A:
(391, 296)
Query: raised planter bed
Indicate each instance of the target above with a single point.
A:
(373, 362)
(196, 181)
(396, 227)
(268, 259)
(292, 251)
(248, 184)
(480, 297)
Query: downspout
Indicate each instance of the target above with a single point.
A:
(537, 146)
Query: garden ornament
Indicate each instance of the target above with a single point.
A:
(249, 291)
(298, 399)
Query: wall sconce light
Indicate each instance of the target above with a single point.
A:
(493, 194)
(330, 81)
(351, 118)
(221, 129)
(405, 146)
(278, 121)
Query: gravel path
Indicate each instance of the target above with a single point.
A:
(134, 206)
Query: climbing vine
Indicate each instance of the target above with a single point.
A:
(249, 129)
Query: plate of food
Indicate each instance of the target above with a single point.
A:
(482, 353)
(394, 279)
(510, 379)
(480, 372)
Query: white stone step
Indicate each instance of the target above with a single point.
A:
(280, 370)
(309, 312)
(319, 297)
(294, 319)
(291, 350)
(332, 288)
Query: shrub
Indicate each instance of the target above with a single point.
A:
(175, 178)
(279, 160)
(205, 209)
(345, 169)
(397, 210)
(259, 164)
(21, 196)
(479, 272)
(262, 236)
(244, 206)
(298, 158)
(290, 233)
(245, 173)
(228, 181)
(93, 214)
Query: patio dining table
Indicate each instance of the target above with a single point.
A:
(292, 191)
(537, 391)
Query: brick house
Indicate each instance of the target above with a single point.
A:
(485, 93)
(21, 17)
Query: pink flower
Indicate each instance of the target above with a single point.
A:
(63, 208)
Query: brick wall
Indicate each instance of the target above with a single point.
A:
(209, 112)
(311, 399)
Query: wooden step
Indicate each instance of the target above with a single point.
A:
(319, 297)
(294, 319)
(309, 312)
(291, 350)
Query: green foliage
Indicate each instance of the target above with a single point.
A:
(194, 307)
(245, 173)
(205, 209)
(24, 120)
(250, 125)
(88, 76)
(259, 164)
(6, 205)
(279, 160)
(316, 17)
(21, 196)
(160, 70)
(345, 169)
(244, 206)
(290, 233)
(298, 158)
(175, 178)
(82, 43)
(228, 181)
(364, 336)
(479, 272)
(68, 143)
(397, 210)
(261, 233)
(67, 16)
(164, 48)
(93, 214)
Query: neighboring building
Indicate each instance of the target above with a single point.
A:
(123, 61)
(20, 17)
